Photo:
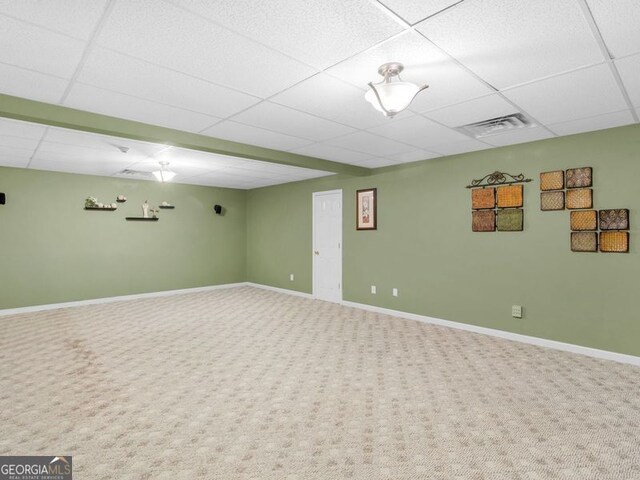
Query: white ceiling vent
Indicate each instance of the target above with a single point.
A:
(127, 173)
(496, 126)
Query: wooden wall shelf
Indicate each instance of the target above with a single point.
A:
(107, 209)
(165, 207)
(143, 219)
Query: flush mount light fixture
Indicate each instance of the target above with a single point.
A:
(164, 174)
(392, 97)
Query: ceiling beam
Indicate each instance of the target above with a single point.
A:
(59, 116)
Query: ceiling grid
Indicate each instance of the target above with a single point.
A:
(291, 76)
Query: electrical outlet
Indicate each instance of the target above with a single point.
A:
(373, 289)
(291, 277)
(516, 311)
(394, 292)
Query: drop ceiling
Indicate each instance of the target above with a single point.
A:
(291, 76)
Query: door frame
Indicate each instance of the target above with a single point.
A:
(314, 195)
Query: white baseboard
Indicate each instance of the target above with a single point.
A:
(541, 342)
(516, 337)
(122, 298)
(280, 290)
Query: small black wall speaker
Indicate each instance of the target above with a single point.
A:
(3, 199)
(217, 209)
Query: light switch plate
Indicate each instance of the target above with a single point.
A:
(516, 311)
(373, 289)
(291, 277)
(395, 292)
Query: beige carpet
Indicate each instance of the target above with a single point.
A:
(252, 384)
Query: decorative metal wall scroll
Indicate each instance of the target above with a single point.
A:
(571, 190)
(498, 178)
(496, 202)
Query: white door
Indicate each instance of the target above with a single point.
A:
(327, 245)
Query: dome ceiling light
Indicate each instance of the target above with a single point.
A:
(164, 174)
(392, 97)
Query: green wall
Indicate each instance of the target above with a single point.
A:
(424, 245)
(52, 250)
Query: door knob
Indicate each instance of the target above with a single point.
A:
(317, 252)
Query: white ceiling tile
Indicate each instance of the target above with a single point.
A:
(14, 157)
(239, 132)
(316, 174)
(333, 99)
(74, 138)
(454, 148)
(608, 120)
(50, 151)
(268, 170)
(197, 159)
(194, 163)
(412, 156)
(424, 64)
(21, 143)
(16, 128)
(37, 49)
(366, 142)
(270, 182)
(418, 131)
(182, 168)
(508, 43)
(377, 163)
(121, 73)
(317, 32)
(618, 23)
(86, 153)
(208, 181)
(220, 179)
(250, 174)
(412, 11)
(62, 162)
(629, 69)
(583, 93)
(518, 136)
(285, 120)
(20, 82)
(276, 168)
(484, 108)
(92, 99)
(77, 18)
(330, 152)
(190, 44)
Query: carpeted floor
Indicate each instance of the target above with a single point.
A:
(252, 384)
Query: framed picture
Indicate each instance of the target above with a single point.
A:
(366, 209)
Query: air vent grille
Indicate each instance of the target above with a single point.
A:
(497, 126)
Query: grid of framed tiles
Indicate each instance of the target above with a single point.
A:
(497, 208)
(591, 230)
